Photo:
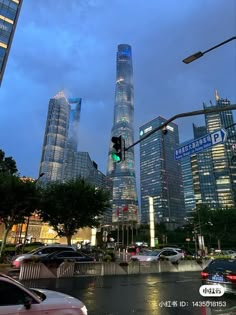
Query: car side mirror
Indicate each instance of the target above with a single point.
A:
(27, 302)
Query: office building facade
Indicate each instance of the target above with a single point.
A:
(125, 201)
(72, 139)
(160, 175)
(55, 139)
(9, 14)
(214, 170)
(187, 176)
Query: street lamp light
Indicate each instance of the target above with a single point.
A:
(199, 54)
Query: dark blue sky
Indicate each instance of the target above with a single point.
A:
(71, 45)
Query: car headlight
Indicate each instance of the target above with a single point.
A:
(84, 310)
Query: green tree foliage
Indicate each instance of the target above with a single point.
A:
(216, 224)
(18, 199)
(73, 205)
(223, 225)
(7, 164)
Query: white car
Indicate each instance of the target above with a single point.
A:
(40, 251)
(168, 254)
(16, 299)
(181, 251)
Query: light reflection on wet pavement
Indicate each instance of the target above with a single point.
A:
(159, 294)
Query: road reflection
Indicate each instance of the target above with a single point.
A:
(159, 294)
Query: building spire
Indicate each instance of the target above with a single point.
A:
(217, 97)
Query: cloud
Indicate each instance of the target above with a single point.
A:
(72, 45)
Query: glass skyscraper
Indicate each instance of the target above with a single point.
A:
(9, 13)
(214, 170)
(187, 175)
(160, 175)
(61, 160)
(60, 139)
(125, 201)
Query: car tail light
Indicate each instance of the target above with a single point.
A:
(204, 274)
(231, 278)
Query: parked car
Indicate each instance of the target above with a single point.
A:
(41, 251)
(221, 271)
(57, 258)
(167, 254)
(180, 250)
(27, 247)
(15, 298)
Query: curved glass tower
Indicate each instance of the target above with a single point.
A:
(125, 201)
(60, 139)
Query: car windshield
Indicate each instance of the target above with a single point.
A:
(151, 253)
(229, 265)
(36, 250)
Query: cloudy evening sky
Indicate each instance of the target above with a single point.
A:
(72, 44)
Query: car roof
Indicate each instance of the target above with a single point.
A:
(65, 251)
(174, 248)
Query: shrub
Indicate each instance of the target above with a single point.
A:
(111, 254)
(107, 258)
(189, 257)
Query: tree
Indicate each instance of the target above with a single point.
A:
(215, 224)
(18, 199)
(7, 164)
(70, 206)
(223, 225)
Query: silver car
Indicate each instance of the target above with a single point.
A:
(41, 251)
(168, 254)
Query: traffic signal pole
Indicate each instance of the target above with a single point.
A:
(186, 114)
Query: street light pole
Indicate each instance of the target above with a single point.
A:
(199, 54)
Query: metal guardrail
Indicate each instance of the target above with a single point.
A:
(70, 269)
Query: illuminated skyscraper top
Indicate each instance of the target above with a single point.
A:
(125, 202)
(9, 13)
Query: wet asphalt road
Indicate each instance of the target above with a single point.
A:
(159, 294)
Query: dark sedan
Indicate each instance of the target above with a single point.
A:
(59, 257)
(221, 271)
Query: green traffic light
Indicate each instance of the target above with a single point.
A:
(115, 157)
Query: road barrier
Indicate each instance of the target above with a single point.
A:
(70, 269)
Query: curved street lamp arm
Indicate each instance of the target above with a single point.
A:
(200, 53)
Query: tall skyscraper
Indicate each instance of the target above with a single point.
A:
(60, 139)
(187, 176)
(9, 13)
(160, 175)
(61, 160)
(72, 139)
(125, 201)
(214, 170)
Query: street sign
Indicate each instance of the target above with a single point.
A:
(200, 144)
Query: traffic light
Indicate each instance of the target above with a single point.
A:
(118, 154)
